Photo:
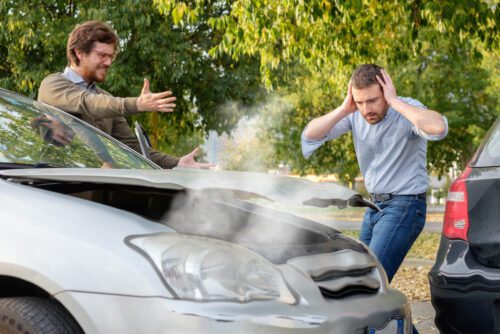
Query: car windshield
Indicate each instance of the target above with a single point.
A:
(489, 152)
(34, 134)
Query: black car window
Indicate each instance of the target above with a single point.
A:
(488, 154)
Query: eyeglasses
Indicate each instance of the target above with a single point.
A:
(103, 56)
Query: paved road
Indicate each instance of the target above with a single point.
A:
(423, 317)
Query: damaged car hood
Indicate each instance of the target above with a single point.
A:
(283, 189)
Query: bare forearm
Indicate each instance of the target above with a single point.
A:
(429, 121)
(319, 127)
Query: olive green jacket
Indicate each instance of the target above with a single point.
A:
(101, 110)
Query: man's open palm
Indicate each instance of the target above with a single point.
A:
(155, 101)
(188, 161)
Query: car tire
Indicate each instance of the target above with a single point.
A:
(33, 315)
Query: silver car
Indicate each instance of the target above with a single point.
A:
(137, 249)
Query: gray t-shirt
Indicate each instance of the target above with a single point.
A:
(392, 154)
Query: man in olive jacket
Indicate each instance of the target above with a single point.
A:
(91, 50)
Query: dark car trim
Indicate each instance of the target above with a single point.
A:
(463, 292)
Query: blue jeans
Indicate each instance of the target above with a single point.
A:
(391, 233)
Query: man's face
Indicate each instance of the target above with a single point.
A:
(95, 64)
(371, 103)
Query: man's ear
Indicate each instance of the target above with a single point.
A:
(79, 54)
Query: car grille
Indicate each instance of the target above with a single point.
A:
(340, 274)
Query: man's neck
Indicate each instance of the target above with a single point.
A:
(79, 71)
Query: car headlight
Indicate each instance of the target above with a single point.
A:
(204, 269)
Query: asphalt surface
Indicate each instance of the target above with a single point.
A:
(423, 317)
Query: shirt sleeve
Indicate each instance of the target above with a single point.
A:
(311, 145)
(61, 93)
(420, 132)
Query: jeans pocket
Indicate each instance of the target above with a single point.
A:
(419, 221)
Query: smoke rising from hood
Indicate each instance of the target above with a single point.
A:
(230, 211)
(247, 147)
(234, 213)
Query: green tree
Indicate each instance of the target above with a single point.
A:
(319, 32)
(308, 49)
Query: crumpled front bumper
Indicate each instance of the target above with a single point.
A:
(106, 313)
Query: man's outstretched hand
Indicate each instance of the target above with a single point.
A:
(188, 161)
(155, 101)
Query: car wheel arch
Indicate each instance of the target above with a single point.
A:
(16, 287)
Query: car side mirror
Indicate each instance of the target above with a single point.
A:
(143, 139)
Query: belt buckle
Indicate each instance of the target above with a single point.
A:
(380, 197)
(385, 197)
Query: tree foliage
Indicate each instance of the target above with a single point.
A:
(308, 49)
(319, 32)
(208, 52)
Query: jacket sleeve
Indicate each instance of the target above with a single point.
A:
(122, 132)
(61, 93)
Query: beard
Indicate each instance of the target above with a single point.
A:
(96, 74)
(374, 117)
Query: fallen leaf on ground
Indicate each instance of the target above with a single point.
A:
(413, 282)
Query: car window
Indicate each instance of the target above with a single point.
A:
(33, 133)
(489, 153)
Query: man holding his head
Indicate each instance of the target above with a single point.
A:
(91, 49)
(390, 135)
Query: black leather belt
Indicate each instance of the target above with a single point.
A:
(385, 197)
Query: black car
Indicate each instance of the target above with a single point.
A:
(465, 280)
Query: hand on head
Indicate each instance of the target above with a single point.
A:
(148, 101)
(387, 86)
(349, 106)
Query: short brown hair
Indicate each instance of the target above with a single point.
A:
(365, 76)
(84, 35)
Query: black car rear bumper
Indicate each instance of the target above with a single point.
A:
(464, 293)
(469, 312)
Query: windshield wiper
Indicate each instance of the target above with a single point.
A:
(46, 165)
(16, 165)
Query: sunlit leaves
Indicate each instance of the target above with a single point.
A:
(307, 50)
(313, 32)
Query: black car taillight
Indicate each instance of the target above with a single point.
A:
(456, 217)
